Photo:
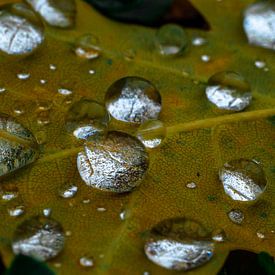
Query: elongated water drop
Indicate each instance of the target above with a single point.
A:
(179, 244)
(57, 13)
(8, 193)
(133, 99)
(229, 91)
(259, 24)
(39, 237)
(68, 191)
(86, 261)
(243, 180)
(236, 216)
(171, 39)
(115, 163)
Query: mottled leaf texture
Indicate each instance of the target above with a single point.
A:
(200, 140)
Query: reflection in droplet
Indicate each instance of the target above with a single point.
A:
(218, 235)
(86, 261)
(87, 47)
(259, 24)
(243, 180)
(236, 216)
(133, 99)
(16, 211)
(229, 91)
(47, 212)
(21, 31)
(179, 244)
(191, 185)
(117, 162)
(57, 13)
(39, 237)
(198, 41)
(23, 76)
(171, 39)
(87, 118)
(68, 191)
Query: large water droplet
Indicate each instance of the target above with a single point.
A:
(229, 91)
(243, 180)
(236, 216)
(133, 99)
(179, 244)
(115, 163)
(87, 118)
(21, 31)
(151, 133)
(171, 40)
(259, 24)
(57, 13)
(18, 146)
(68, 191)
(87, 46)
(38, 237)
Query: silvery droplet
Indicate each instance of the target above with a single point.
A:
(243, 180)
(86, 201)
(122, 215)
(52, 67)
(18, 146)
(39, 237)
(92, 72)
(64, 91)
(2, 90)
(87, 118)
(170, 40)
(57, 13)
(47, 212)
(133, 99)
(86, 261)
(218, 235)
(236, 216)
(198, 41)
(179, 244)
(16, 211)
(191, 185)
(23, 76)
(259, 24)
(43, 81)
(229, 91)
(8, 193)
(205, 58)
(260, 64)
(68, 191)
(117, 163)
(21, 31)
(101, 209)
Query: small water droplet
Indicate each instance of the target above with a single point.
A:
(64, 91)
(151, 133)
(86, 201)
(146, 273)
(86, 261)
(260, 64)
(179, 244)
(87, 46)
(171, 39)
(52, 67)
(259, 24)
(205, 58)
(101, 209)
(261, 235)
(199, 41)
(8, 194)
(43, 81)
(2, 90)
(68, 233)
(243, 180)
(117, 163)
(68, 191)
(91, 71)
(236, 216)
(218, 235)
(191, 185)
(229, 91)
(18, 109)
(133, 99)
(47, 212)
(39, 237)
(122, 215)
(16, 211)
(23, 76)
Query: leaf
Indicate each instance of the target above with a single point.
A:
(200, 139)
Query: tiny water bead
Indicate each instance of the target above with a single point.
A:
(122, 215)
(259, 24)
(205, 58)
(133, 99)
(52, 67)
(16, 211)
(18, 146)
(260, 64)
(218, 235)
(229, 91)
(23, 76)
(47, 212)
(86, 261)
(243, 180)
(151, 133)
(171, 40)
(64, 91)
(68, 191)
(87, 47)
(57, 13)
(21, 31)
(87, 118)
(116, 163)
(8, 194)
(39, 237)
(236, 216)
(191, 185)
(2, 90)
(179, 244)
(198, 41)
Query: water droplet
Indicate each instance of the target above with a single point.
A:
(151, 133)
(47, 212)
(236, 216)
(64, 91)
(21, 31)
(191, 185)
(17, 145)
(171, 40)
(146, 273)
(8, 193)
(218, 235)
(23, 76)
(260, 235)
(39, 237)
(16, 211)
(229, 91)
(43, 81)
(86, 201)
(260, 64)
(122, 215)
(57, 13)
(18, 109)
(133, 99)
(199, 41)
(87, 47)
(87, 118)
(259, 24)
(91, 71)
(179, 244)
(68, 233)
(86, 261)
(243, 180)
(101, 209)
(52, 67)
(205, 58)
(2, 90)
(44, 105)
(68, 191)
(115, 163)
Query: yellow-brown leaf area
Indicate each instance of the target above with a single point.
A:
(200, 140)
